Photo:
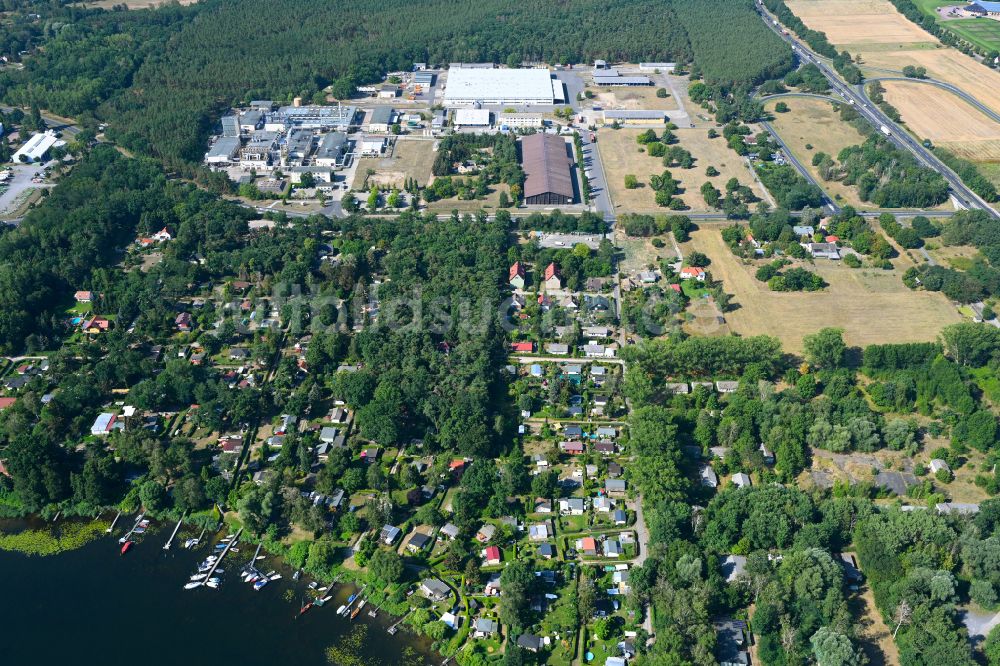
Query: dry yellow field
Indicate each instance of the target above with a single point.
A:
(871, 306)
(813, 122)
(858, 21)
(938, 115)
(620, 156)
(876, 31)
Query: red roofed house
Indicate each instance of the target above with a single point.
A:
(689, 272)
(573, 448)
(84, 296)
(183, 321)
(517, 275)
(552, 279)
(588, 546)
(833, 239)
(492, 556)
(96, 325)
(526, 347)
(3, 469)
(6, 402)
(676, 287)
(162, 235)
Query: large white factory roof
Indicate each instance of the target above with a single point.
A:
(488, 85)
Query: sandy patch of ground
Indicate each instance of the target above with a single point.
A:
(634, 98)
(871, 306)
(409, 159)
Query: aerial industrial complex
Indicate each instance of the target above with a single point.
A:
(469, 86)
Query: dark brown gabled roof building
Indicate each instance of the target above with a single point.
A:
(547, 169)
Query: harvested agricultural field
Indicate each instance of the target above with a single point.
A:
(620, 156)
(872, 306)
(884, 38)
(812, 126)
(859, 22)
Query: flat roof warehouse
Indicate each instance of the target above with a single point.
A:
(467, 86)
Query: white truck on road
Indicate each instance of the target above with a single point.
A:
(885, 130)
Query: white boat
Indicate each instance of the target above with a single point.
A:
(340, 611)
(313, 585)
(259, 584)
(200, 576)
(191, 586)
(362, 604)
(190, 543)
(215, 580)
(324, 589)
(274, 577)
(260, 557)
(270, 573)
(212, 585)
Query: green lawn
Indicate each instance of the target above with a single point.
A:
(983, 32)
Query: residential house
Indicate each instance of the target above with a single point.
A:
(731, 643)
(612, 548)
(286, 424)
(450, 531)
(418, 541)
(708, 476)
(546, 551)
(552, 279)
(328, 434)
(741, 480)
(486, 532)
(484, 627)
(572, 448)
(536, 370)
(620, 517)
(543, 506)
(603, 504)
(614, 487)
(606, 431)
(84, 296)
(587, 546)
(530, 642)
(677, 388)
(517, 275)
(938, 465)
(733, 566)
(572, 506)
(727, 386)
(605, 447)
(183, 322)
(491, 556)
(523, 347)
(822, 250)
(766, 454)
(614, 470)
(434, 589)
(539, 532)
(370, 454)
(389, 534)
(693, 273)
(557, 349)
(573, 431)
(103, 424)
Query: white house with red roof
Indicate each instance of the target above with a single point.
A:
(693, 272)
(517, 275)
(552, 279)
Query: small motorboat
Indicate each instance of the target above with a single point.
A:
(259, 584)
(190, 543)
(297, 574)
(212, 585)
(191, 586)
(260, 557)
(214, 579)
(340, 611)
(143, 524)
(253, 578)
(304, 609)
(354, 613)
(270, 573)
(200, 576)
(126, 547)
(313, 585)
(274, 576)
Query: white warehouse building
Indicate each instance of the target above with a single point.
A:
(35, 148)
(468, 86)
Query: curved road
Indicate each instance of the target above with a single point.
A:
(946, 86)
(857, 97)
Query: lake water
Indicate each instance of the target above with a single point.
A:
(94, 606)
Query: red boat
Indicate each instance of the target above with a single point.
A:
(305, 609)
(126, 546)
